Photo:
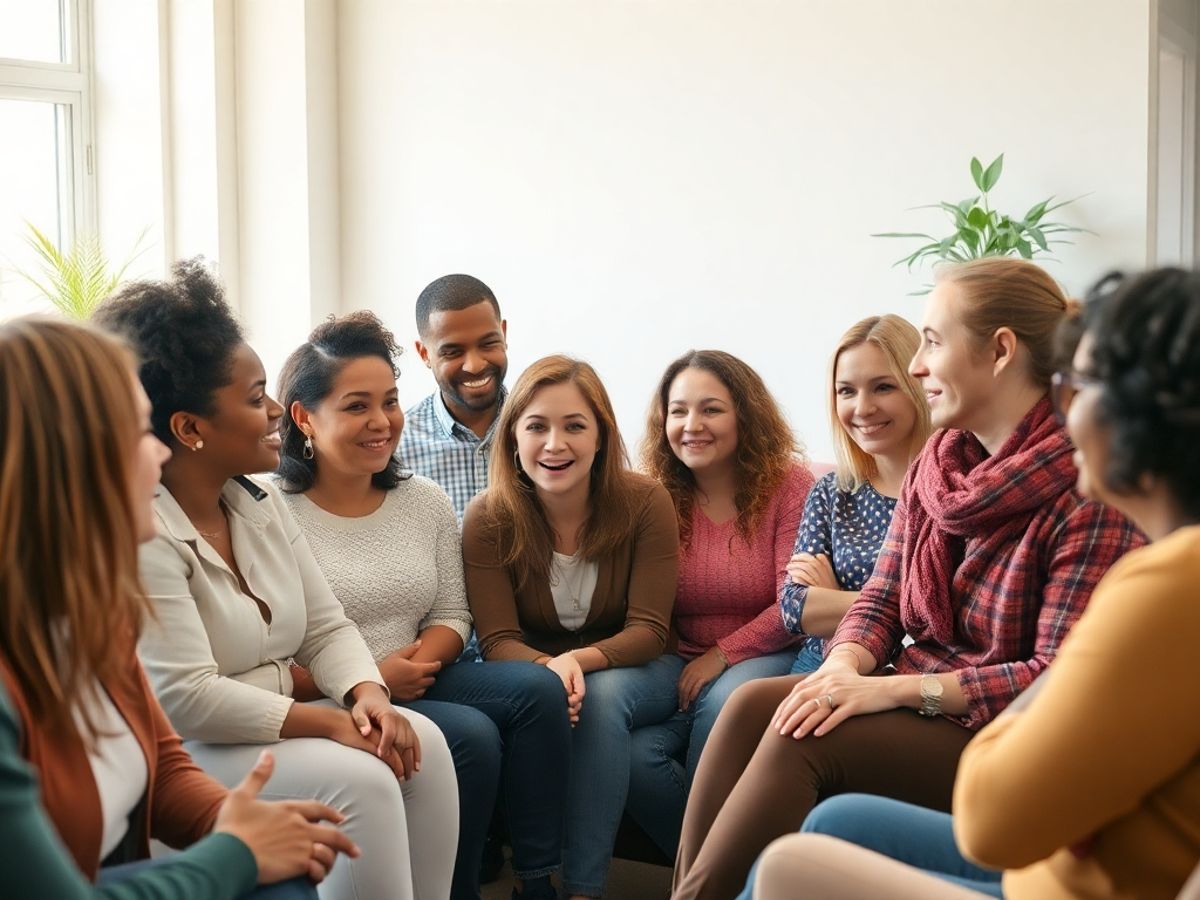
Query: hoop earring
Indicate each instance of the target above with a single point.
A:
(517, 462)
(308, 452)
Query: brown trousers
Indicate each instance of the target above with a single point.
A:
(754, 785)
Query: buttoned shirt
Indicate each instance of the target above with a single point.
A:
(218, 665)
(443, 449)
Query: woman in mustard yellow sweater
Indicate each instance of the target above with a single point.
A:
(1089, 785)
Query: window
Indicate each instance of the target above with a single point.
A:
(45, 150)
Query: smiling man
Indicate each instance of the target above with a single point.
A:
(448, 435)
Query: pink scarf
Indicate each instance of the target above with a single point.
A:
(959, 493)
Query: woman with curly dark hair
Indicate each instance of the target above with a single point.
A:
(1089, 784)
(388, 544)
(237, 596)
(570, 563)
(719, 443)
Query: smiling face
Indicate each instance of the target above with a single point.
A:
(701, 423)
(870, 404)
(356, 427)
(467, 352)
(242, 435)
(557, 438)
(957, 377)
(149, 455)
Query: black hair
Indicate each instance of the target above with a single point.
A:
(1145, 333)
(184, 335)
(308, 377)
(451, 293)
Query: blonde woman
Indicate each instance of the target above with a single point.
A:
(879, 421)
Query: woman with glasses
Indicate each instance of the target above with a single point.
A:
(990, 559)
(1089, 784)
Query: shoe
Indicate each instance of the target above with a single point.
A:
(536, 889)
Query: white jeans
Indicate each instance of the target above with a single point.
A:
(408, 833)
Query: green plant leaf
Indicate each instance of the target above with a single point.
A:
(978, 218)
(1036, 233)
(905, 234)
(992, 173)
(977, 173)
(77, 281)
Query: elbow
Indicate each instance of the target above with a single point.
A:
(992, 827)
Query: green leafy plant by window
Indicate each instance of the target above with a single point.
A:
(77, 281)
(980, 230)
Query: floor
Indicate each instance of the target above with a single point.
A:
(626, 881)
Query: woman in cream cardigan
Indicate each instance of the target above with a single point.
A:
(237, 595)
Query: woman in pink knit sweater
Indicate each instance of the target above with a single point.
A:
(719, 443)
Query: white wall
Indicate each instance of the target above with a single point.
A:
(637, 178)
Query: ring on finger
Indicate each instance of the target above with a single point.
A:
(832, 705)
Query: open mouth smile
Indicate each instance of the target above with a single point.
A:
(557, 467)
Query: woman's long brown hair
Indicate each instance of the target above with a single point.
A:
(512, 508)
(766, 446)
(70, 600)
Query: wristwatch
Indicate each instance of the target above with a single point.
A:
(931, 696)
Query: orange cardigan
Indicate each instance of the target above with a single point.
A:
(181, 801)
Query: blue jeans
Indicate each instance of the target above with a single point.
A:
(809, 659)
(665, 755)
(528, 749)
(292, 889)
(615, 702)
(913, 835)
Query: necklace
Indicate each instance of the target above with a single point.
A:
(574, 590)
(210, 535)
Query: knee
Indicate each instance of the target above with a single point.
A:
(539, 688)
(750, 704)
(606, 698)
(846, 816)
(477, 738)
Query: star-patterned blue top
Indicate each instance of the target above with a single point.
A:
(847, 527)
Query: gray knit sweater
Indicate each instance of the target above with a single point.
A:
(396, 571)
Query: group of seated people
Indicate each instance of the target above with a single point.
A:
(325, 648)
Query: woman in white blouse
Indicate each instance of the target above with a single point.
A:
(237, 597)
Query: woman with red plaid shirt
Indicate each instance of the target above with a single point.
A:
(991, 558)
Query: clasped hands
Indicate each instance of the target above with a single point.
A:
(377, 727)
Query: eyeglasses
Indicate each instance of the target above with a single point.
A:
(1064, 385)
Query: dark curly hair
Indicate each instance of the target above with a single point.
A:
(1145, 333)
(766, 447)
(184, 334)
(308, 377)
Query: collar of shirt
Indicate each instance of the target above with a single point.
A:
(242, 498)
(457, 430)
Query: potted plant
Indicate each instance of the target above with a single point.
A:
(980, 230)
(77, 281)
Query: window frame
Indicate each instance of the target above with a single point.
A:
(68, 84)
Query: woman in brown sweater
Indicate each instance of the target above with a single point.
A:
(571, 563)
